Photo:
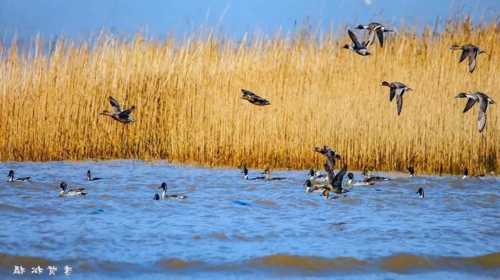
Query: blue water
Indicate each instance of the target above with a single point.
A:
(233, 228)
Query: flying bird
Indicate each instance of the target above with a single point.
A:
(118, 113)
(375, 29)
(254, 98)
(473, 98)
(356, 46)
(397, 90)
(468, 51)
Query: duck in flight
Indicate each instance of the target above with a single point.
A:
(12, 177)
(356, 46)
(254, 98)
(468, 51)
(334, 183)
(397, 90)
(483, 100)
(71, 192)
(90, 178)
(164, 195)
(375, 28)
(118, 113)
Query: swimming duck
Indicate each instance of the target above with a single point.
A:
(120, 115)
(267, 176)
(312, 186)
(71, 192)
(317, 178)
(164, 195)
(466, 174)
(12, 177)
(244, 171)
(411, 170)
(368, 178)
(254, 98)
(420, 192)
(352, 182)
(90, 178)
(356, 46)
(473, 98)
(397, 90)
(468, 51)
(375, 28)
(314, 174)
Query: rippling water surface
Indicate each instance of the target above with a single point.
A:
(232, 228)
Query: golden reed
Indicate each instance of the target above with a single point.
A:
(189, 110)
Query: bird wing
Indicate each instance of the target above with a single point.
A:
(483, 103)
(129, 110)
(115, 104)
(463, 56)
(337, 180)
(472, 61)
(470, 103)
(392, 93)
(354, 39)
(371, 38)
(329, 172)
(481, 120)
(380, 35)
(399, 100)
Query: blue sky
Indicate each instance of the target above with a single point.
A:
(81, 18)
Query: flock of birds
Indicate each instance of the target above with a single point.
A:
(398, 89)
(331, 182)
(325, 184)
(65, 190)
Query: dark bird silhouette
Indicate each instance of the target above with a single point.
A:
(118, 113)
(254, 98)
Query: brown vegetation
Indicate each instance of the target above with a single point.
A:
(189, 109)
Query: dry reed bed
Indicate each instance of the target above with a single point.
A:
(187, 95)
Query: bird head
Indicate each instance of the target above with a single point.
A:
(461, 95)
